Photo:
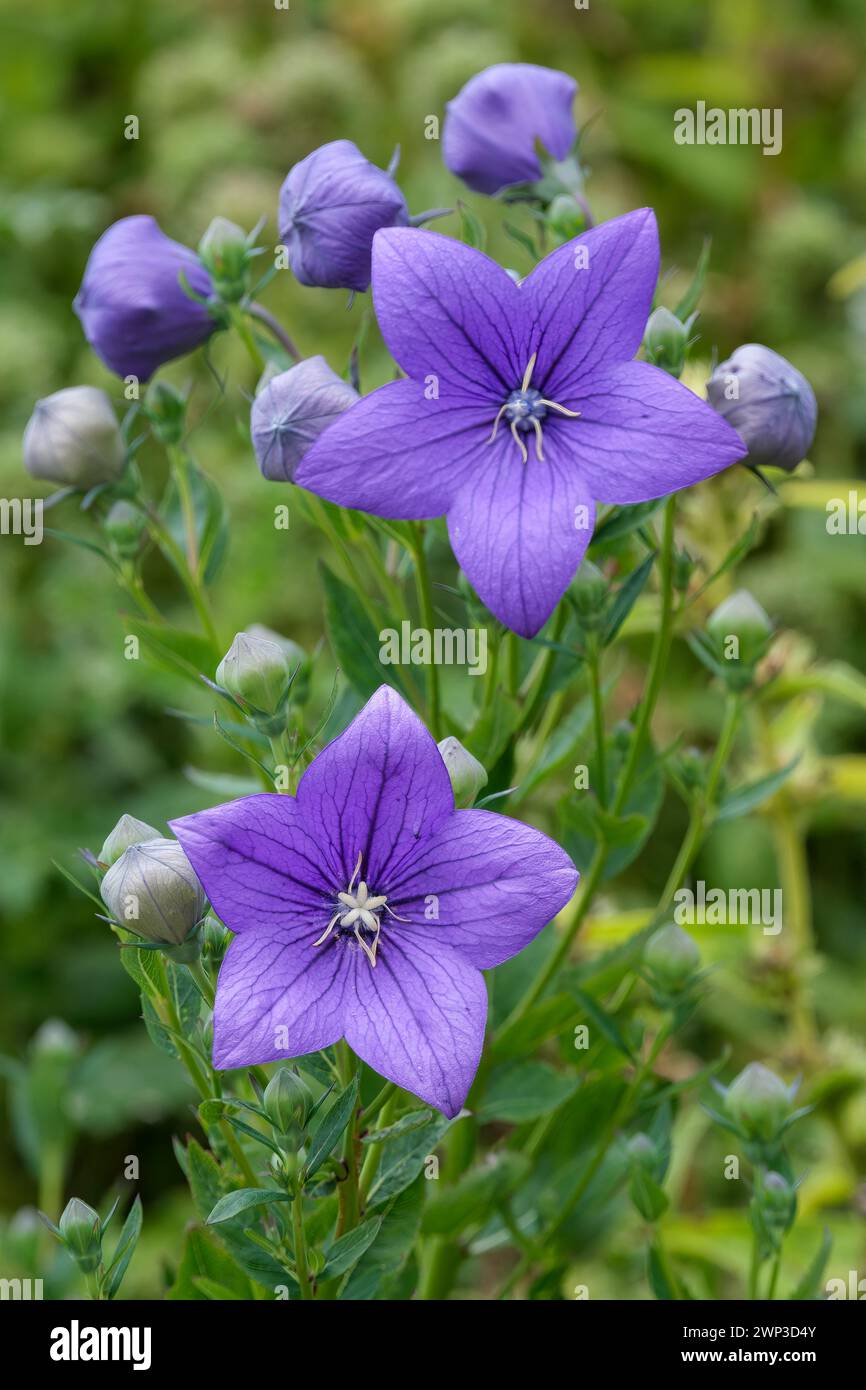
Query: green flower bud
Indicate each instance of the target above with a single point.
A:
(683, 569)
(287, 1101)
(466, 772)
(665, 341)
(73, 438)
(589, 594)
(777, 1198)
(152, 891)
(123, 526)
(128, 831)
(255, 671)
(691, 768)
(759, 1102)
(672, 956)
(79, 1230)
(165, 408)
(643, 1153)
(297, 658)
(740, 617)
(565, 218)
(55, 1040)
(225, 254)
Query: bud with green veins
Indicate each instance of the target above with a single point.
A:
(128, 831)
(79, 1229)
(565, 218)
(124, 526)
(666, 341)
(777, 1198)
(673, 957)
(741, 617)
(287, 1101)
(73, 438)
(152, 891)
(255, 671)
(225, 253)
(759, 1102)
(297, 658)
(467, 774)
(589, 594)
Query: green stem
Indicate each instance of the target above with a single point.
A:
(425, 604)
(598, 724)
(180, 471)
(774, 1276)
(370, 1166)
(244, 332)
(300, 1244)
(167, 544)
(273, 325)
(349, 1202)
(204, 982)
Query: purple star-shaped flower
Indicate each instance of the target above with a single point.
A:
(366, 907)
(521, 410)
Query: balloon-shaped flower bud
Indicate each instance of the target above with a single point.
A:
(55, 1040)
(298, 660)
(79, 1228)
(768, 402)
(255, 671)
(73, 438)
(777, 1199)
(493, 125)
(565, 218)
(665, 341)
(672, 957)
(124, 525)
(152, 891)
(589, 593)
(226, 254)
(739, 629)
(466, 772)
(643, 1152)
(332, 204)
(292, 410)
(287, 1101)
(135, 303)
(128, 831)
(759, 1102)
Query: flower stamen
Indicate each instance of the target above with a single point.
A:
(525, 409)
(359, 914)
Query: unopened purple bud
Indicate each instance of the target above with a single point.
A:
(768, 402)
(292, 410)
(133, 305)
(492, 125)
(332, 204)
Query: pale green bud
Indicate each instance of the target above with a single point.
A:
(255, 671)
(742, 617)
(152, 891)
(759, 1102)
(672, 956)
(79, 1230)
(128, 831)
(466, 772)
(73, 438)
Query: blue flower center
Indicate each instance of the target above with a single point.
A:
(522, 407)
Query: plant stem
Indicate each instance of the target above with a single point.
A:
(425, 604)
(265, 317)
(300, 1244)
(180, 471)
(598, 724)
(349, 1203)
(242, 328)
(204, 982)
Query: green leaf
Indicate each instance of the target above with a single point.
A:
(329, 1128)
(392, 1247)
(558, 749)
(472, 230)
(522, 238)
(808, 1285)
(691, 298)
(123, 1251)
(416, 1119)
(213, 1290)
(475, 1196)
(172, 649)
(187, 1001)
(521, 1091)
(355, 641)
(625, 598)
(211, 521)
(747, 798)
(206, 1182)
(623, 520)
(404, 1159)
(658, 1278)
(204, 1258)
(647, 1196)
(746, 542)
(490, 734)
(603, 1021)
(348, 1250)
(242, 1200)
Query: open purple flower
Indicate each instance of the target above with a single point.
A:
(331, 205)
(366, 908)
(133, 307)
(522, 407)
(492, 125)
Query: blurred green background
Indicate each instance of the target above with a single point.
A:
(228, 97)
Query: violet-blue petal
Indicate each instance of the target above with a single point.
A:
(589, 300)
(418, 1019)
(641, 435)
(519, 530)
(397, 453)
(260, 864)
(134, 310)
(451, 317)
(496, 883)
(375, 791)
(492, 125)
(275, 1000)
(292, 411)
(331, 205)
